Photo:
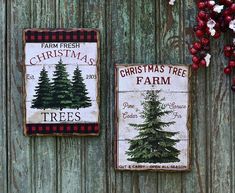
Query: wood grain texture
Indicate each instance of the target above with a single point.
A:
(70, 151)
(120, 14)
(43, 153)
(19, 147)
(195, 181)
(170, 48)
(219, 120)
(144, 51)
(134, 31)
(232, 131)
(3, 130)
(95, 147)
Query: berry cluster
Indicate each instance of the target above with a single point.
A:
(213, 19)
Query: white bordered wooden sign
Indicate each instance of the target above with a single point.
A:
(153, 111)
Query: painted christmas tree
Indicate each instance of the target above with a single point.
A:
(62, 88)
(153, 144)
(80, 98)
(43, 96)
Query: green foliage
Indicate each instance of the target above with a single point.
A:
(153, 144)
(62, 93)
(43, 96)
(80, 98)
(62, 88)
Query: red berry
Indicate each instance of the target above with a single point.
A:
(202, 14)
(210, 5)
(205, 41)
(201, 5)
(208, 31)
(195, 59)
(222, 1)
(203, 63)
(232, 7)
(201, 24)
(227, 70)
(195, 66)
(217, 35)
(217, 25)
(227, 54)
(199, 33)
(226, 12)
(231, 63)
(198, 19)
(228, 2)
(197, 45)
(228, 48)
(228, 18)
(193, 51)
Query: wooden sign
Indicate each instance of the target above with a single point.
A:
(153, 117)
(61, 82)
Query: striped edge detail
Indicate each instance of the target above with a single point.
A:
(34, 129)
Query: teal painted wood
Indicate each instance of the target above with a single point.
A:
(19, 147)
(144, 51)
(43, 153)
(3, 139)
(135, 31)
(70, 151)
(219, 138)
(95, 148)
(170, 48)
(120, 14)
(196, 181)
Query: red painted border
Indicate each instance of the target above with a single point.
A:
(61, 35)
(44, 129)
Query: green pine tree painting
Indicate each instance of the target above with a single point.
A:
(43, 96)
(62, 88)
(61, 93)
(153, 144)
(80, 98)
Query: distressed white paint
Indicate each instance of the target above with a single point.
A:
(129, 83)
(130, 95)
(85, 52)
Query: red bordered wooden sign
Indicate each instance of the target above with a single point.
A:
(61, 81)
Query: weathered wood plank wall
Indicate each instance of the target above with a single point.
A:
(3, 137)
(133, 31)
